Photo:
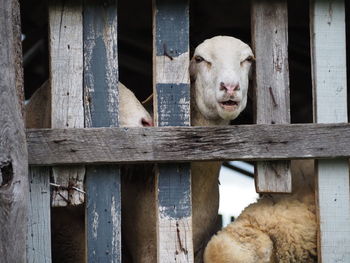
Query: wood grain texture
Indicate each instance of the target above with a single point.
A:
(103, 207)
(66, 61)
(328, 49)
(39, 222)
(270, 44)
(185, 144)
(172, 108)
(175, 213)
(13, 153)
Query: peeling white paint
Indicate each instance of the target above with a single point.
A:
(95, 222)
(115, 228)
(174, 70)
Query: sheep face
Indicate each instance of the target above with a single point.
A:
(132, 113)
(219, 73)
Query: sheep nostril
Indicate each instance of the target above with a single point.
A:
(146, 123)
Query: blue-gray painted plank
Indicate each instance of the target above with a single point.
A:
(172, 27)
(175, 179)
(103, 213)
(173, 104)
(173, 109)
(103, 208)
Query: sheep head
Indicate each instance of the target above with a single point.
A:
(132, 113)
(219, 73)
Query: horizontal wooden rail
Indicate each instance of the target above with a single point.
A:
(183, 144)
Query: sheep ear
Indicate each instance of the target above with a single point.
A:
(192, 70)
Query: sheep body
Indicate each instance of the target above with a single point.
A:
(278, 228)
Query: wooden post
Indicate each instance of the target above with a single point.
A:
(13, 147)
(66, 62)
(38, 115)
(270, 42)
(103, 207)
(172, 108)
(328, 50)
(39, 223)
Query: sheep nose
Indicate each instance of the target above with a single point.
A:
(230, 88)
(146, 122)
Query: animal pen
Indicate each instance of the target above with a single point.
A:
(85, 138)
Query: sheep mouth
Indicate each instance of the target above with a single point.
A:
(229, 104)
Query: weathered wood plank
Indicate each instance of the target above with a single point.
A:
(172, 108)
(270, 44)
(328, 49)
(66, 61)
(103, 207)
(185, 144)
(13, 153)
(39, 223)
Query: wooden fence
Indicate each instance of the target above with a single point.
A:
(83, 59)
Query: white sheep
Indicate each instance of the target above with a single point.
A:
(219, 73)
(132, 113)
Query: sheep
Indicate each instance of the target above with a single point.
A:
(219, 72)
(278, 228)
(132, 113)
(68, 229)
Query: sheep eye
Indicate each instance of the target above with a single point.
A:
(249, 59)
(198, 59)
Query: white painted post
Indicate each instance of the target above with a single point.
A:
(328, 49)
(66, 62)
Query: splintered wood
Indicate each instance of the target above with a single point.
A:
(172, 108)
(270, 42)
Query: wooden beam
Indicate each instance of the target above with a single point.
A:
(39, 223)
(172, 108)
(66, 62)
(187, 144)
(103, 207)
(270, 44)
(13, 154)
(328, 49)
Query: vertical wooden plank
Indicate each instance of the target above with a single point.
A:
(172, 107)
(13, 147)
(103, 209)
(270, 43)
(39, 224)
(328, 50)
(66, 62)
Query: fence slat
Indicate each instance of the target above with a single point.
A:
(270, 42)
(328, 49)
(187, 144)
(13, 153)
(66, 61)
(103, 208)
(172, 107)
(39, 218)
